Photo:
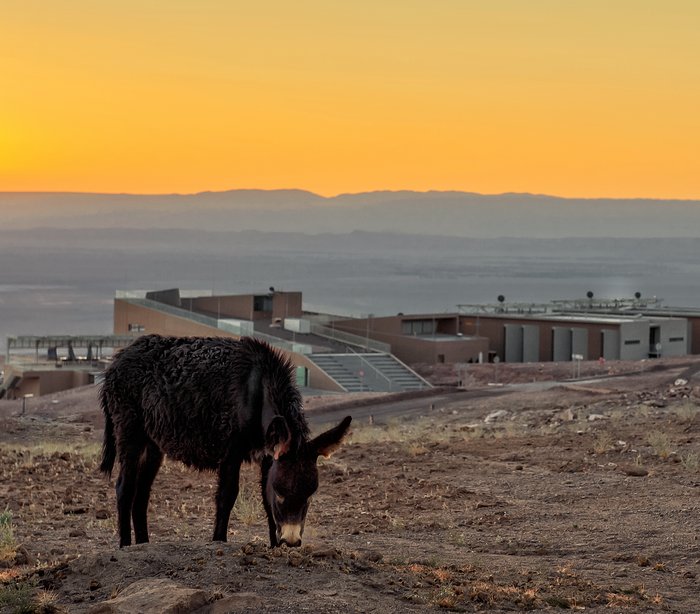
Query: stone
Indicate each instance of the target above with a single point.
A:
(595, 417)
(154, 595)
(496, 415)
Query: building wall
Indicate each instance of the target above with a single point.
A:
(610, 343)
(694, 335)
(634, 340)
(579, 342)
(561, 343)
(419, 349)
(44, 381)
(531, 343)
(540, 337)
(236, 307)
(674, 337)
(513, 350)
(287, 305)
(491, 328)
(156, 322)
(242, 307)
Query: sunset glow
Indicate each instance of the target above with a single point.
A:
(588, 99)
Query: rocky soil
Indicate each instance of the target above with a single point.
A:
(577, 495)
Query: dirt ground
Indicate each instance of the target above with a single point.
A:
(578, 495)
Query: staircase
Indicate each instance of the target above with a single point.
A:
(373, 372)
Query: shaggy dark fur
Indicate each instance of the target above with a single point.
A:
(211, 403)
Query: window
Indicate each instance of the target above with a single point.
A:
(676, 339)
(136, 328)
(632, 342)
(262, 303)
(418, 327)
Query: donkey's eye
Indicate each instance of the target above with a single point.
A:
(279, 498)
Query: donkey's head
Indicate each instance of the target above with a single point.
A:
(292, 479)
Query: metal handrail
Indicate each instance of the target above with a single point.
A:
(363, 359)
(349, 338)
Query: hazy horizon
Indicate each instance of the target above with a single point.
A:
(450, 213)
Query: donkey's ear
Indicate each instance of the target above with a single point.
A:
(278, 437)
(328, 442)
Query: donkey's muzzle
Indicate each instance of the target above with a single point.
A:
(290, 534)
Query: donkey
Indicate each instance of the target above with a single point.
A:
(211, 403)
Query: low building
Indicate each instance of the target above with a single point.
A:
(427, 338)
(39, 365)
(532, 333)
(324, 359)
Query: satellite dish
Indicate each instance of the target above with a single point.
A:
(589, 294)
(272, 289)
(637, 295)
(501, 298)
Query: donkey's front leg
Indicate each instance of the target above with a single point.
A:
(226, 495)
(271, 525)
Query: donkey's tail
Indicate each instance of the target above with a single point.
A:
(109, 448)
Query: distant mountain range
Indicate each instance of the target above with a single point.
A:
(458, 214)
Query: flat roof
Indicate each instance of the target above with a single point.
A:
(440, 337)
(591, 318)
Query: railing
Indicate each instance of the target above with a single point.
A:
(350, 339)
(375, 369)
(234, 328)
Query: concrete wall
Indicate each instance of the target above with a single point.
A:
(674, 337)
(579, 342)
(561, 343)
(513, 335)
(531, 343)
(44, 381)
(611, 344)
(634, 340)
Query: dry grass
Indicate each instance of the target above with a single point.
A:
(660, 443)
(418, 432)
(602, 442)
(8, 545)
(248, 510)
(87, 451)
(686, 412)
(691, 461)
(24, 598)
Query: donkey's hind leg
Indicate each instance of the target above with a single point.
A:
(226, 495)
(126, 488)
(149, 465)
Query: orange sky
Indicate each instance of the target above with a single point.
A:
(589, 98)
